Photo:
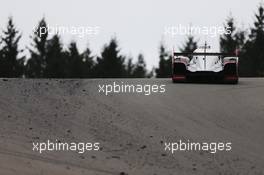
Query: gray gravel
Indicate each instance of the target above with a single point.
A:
(131, 128)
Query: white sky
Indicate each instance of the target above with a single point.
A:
(137, 24)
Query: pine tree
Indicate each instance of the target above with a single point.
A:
(140, 68)
(233, 39)
(190, 45)
(164, 69)
(110, 64)
(75, 63)
(228, 42)
(11, 65)
(89, 64)
(252, 63)
(129, 68)
(37, 62)
(56, 59)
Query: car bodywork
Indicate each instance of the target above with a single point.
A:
(205, 65)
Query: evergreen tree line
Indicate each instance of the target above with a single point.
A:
(48, 58)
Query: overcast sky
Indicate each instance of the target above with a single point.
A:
(138, 25)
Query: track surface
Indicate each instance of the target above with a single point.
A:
(130, 127)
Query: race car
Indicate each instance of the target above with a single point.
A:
(205, 65)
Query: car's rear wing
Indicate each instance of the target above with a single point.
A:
(204, 54)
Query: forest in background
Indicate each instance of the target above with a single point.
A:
(49, 59)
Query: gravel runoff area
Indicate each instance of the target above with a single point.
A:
(131, 128)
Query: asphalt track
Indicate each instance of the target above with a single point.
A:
(131, 128)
